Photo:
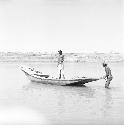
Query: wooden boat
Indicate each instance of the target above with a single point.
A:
(39, 77)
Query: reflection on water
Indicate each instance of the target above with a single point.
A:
(90, 104)
(85, 91)
(108, 103)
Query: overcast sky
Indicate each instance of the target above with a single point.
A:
(70, 25)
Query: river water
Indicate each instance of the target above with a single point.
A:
(26, 103)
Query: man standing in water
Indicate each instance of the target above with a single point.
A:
(108, 77)
(60, 65)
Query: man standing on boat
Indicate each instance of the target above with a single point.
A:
(60, 64)
(108, 77)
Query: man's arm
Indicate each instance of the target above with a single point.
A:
(107, 70)
(106, 75)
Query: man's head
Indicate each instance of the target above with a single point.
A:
(104, 64)
(60, 52)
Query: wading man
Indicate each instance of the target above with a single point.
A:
(108, 77)
(60, 65)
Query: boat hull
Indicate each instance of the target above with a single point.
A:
(54, 81)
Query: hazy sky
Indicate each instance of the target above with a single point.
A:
(70, 25)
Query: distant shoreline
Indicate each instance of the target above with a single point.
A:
(52, 57)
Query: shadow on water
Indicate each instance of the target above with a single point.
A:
(81, 90)
(76, 85)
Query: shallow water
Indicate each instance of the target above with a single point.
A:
(23, 102)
